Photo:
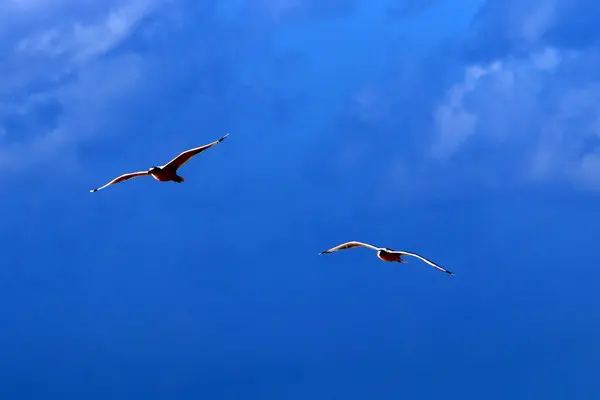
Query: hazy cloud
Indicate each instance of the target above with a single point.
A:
(83, 41)
(408, 8)
(300, 9)
(513, 100)
(531, 104)
(53, 77)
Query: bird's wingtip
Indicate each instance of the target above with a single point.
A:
(93, 190)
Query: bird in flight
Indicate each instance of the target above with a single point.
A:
(167, 172)
(385, 254)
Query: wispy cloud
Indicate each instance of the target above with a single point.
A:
(408, 8)
(535, 105)
(83, 41)
(55, 79)
(511, 102)
(454, 120)
(279, 10)
(539, 111)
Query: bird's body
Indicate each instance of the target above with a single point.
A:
(167, 172)
(385, 254)
(389, 256)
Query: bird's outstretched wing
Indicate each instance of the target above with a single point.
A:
(406, 253)
(349, 245)
(184, 157)
(122, 178)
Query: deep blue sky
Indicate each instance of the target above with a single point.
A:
(467, 131)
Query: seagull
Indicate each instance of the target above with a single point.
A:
(385, 254)
(167, 172)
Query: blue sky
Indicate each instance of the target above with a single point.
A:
(466, 131)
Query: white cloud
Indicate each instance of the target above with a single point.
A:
(456, 123)
(537, 21)
(278, 9)
(541, 111)
(86, 40)
(587, 171)
(53, 55)
(547, 59)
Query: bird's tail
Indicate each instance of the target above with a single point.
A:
(179, 179)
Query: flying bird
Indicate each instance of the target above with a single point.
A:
(167, 172)
(385, 254)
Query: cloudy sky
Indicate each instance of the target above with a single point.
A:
(467, 131)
